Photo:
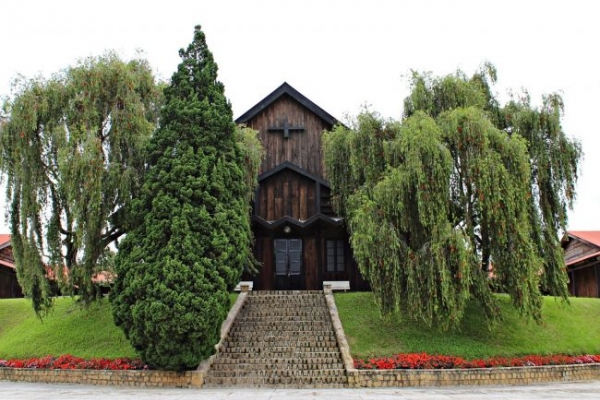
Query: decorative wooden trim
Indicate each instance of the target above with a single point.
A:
(292, 167)
(301, 224)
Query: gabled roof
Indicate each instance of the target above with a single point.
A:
(285, 88)
(591, 237)
(291, 167)
(4, 239)
(588, 237)
(5, 242)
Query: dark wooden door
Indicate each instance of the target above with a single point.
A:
(288, 264)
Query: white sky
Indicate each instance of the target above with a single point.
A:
(340, 54)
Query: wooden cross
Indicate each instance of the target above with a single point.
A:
(286, 129)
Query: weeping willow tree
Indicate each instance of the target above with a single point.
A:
(461, 199)
(72, 154)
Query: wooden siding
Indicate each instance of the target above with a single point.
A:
(6, 254)
(287, 194)
(301, 148)
(263, 251)
(577, 249)
(311, 264)
(9, 286)
(584, 281)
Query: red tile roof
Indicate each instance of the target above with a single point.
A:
(592, 237)
(4, 237)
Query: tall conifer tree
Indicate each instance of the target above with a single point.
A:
(194, 237)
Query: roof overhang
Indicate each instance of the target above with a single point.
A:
(284, 89)
(292, 167)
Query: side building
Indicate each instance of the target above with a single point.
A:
(298, 238)
(582, 257)
(9, 286)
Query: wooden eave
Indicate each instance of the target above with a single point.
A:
(570, 236)
(582, 260)
(292, 167)
(287, 220)
(284, 89)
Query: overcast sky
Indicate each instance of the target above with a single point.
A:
(340, 54)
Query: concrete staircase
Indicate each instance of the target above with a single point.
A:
(282, 339)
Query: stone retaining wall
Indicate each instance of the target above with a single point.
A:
(356, 378)
(186, 379)
(476, 376)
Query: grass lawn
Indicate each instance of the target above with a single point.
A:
(566, 329)
(68, 329)
(88, 333)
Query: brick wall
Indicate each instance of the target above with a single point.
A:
(478, 376)
(186, 379)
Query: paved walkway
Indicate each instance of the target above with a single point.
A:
(553, 391)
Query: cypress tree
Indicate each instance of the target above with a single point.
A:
(193, 238)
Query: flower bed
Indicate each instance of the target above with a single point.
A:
(72, 362)
(426, 361)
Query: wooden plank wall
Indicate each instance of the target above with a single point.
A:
(310, 263)
(9, 286)
(585, 282)
(287, 194)
(263, 251)
(577, 249)
(301, 148)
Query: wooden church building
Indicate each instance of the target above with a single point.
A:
(298, 238)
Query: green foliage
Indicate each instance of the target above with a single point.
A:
(455, 189)
(193, 239)
(567, 329)
(72, 152)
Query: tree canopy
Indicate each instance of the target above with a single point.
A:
(461, 198)
(193, 239)
(72, 154)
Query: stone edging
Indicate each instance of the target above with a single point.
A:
(188, 379)
(225, 327)
(339, 331)
(475, 376)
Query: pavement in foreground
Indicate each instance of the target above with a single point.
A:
(552, 391)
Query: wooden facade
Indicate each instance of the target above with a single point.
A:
(582, 257)
(299, 241)
(9, 286)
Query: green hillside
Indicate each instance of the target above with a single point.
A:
(566, 329)
(69, 329)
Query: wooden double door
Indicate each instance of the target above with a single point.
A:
(288, 264)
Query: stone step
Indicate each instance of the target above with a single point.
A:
(297, 293)
(266, 366)
(274, 350)
(267, 324)
(320, 356)
(263, 311)
(280, 339)
(297, 373)
(298, 344)
(278, 382)
(268, 363)
(247, 336)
